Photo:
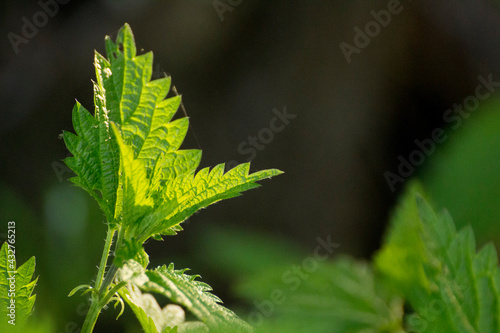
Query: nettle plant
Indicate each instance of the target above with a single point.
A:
(127, 157)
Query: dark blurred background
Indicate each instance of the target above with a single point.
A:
(234, 62)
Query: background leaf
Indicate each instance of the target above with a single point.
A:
(24, 300)
(456, 289)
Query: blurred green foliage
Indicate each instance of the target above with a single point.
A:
(291, 290)
(463, 175)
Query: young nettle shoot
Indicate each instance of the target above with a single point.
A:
(126, 156)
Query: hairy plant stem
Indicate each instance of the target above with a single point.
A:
(91, 318)
(110, 276)
(101, 285)
(104, 258)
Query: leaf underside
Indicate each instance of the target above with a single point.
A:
(185, 290)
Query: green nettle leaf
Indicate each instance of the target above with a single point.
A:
(127, 156)
(16, 282)
(454, 288)
(185, 290)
